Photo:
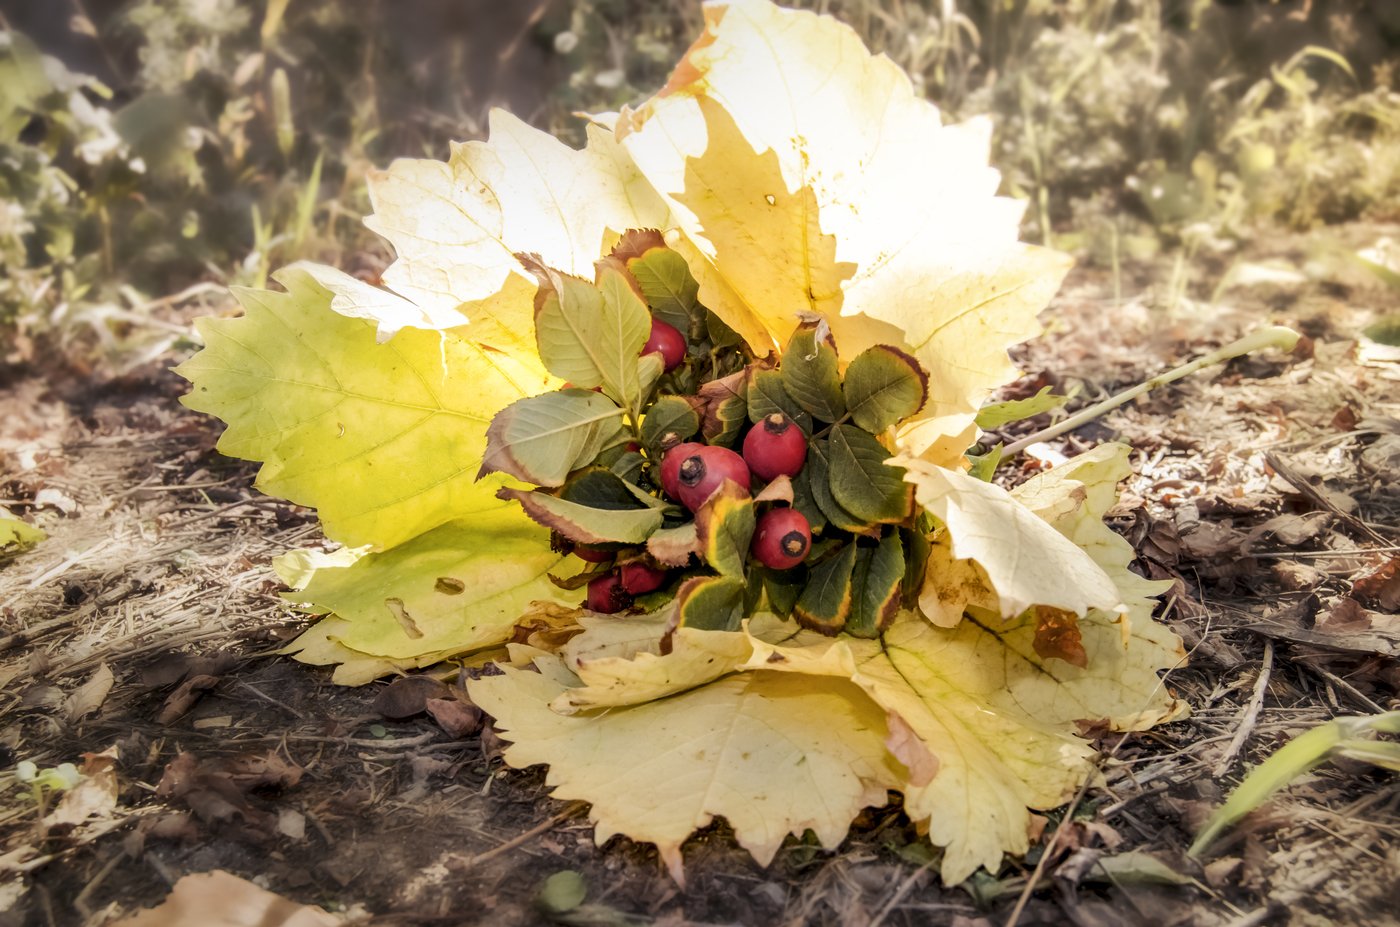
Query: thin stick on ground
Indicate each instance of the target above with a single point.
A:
(573, 809)
(1273, 336)
(1251, 714)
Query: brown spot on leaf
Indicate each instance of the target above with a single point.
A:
(449, 585)
(1057, 635)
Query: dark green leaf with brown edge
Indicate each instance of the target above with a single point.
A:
(810, 372)
(584, 524)
(670, 290)
(996, 414)
(818, 482)
(767, 395)
(782, 587)
(674, 546)
(825, 603)
(884, 386)
(1057, 635)
(726, 408)
(711, 603)
(719, 332)
(542, 438)
(860, 480)
(676, 415)
(877, 579)
(805, 502)
(725, 526)
(629, 466)
(916, 551)
(600, 488)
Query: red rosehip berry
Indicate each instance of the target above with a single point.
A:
(671, 467)
(668, 341)
(606, 595)
(775, 447)
(781, 538)
(705, 470)
(639, 578)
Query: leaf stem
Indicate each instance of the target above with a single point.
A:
(1273, 336)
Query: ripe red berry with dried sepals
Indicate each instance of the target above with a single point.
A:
(705, 470)
(775, 447)
(666, 340)
(671, 467)
(781, 538)
(639, 578)
(606, 595)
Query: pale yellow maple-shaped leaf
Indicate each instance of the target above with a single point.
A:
(457, 225)
(769, 752)
(610, 676)
(320, 645)
(1026, 561)
(384, 440)
(869, 206)
(446, 591)
(994, 722)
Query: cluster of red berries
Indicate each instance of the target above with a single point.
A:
(691, 473)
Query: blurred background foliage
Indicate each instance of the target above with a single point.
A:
(154, 151)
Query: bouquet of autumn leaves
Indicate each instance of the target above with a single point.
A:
(672, 429)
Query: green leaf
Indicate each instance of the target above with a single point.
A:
(810, 372)
(916, 553)
(583, 524)
(670, 290)
(669, 415)
(452, 589)
(826, 602)
(601, 488)
(543, 438)
(818, 479)
(384, 439)
(860, 480)
(877, 581)
(783, 587)
(725, 403)
(725, 526)
(562, 892)
(767, 395)
(629, 466)
(884, 386)
(996, 414)
(591, 335)
(711, 603)
(1289, 762)
(805, 502)
(983, 466)
(719, 332)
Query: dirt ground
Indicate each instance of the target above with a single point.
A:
(143, 625)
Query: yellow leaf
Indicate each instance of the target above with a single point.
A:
(857, 185)
(769, 752)
(445, 592)
(457, 225)
(630, 678)
(383, 439)
(1026, 561)
(991, 719)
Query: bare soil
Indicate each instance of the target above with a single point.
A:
(1264, 488)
